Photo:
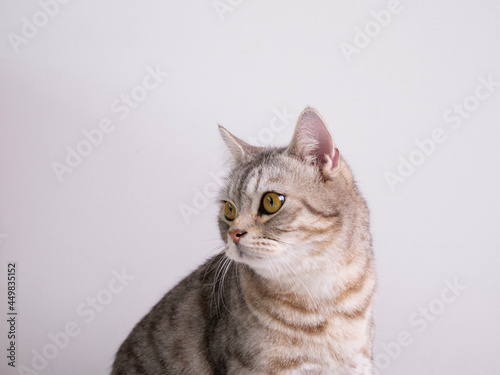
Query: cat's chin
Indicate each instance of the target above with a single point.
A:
(243, 254)
(257, 264)
(240, 253)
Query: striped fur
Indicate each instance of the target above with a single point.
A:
(293, 296)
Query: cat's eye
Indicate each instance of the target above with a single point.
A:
(271, 203)
(229, 211)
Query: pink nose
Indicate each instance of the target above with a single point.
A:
(236, 235)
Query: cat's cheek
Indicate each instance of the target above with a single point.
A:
(223, 229)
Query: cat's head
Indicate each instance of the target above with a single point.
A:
(289, 209)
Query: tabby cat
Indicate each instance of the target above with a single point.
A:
(291, 293)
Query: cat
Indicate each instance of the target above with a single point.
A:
(291, 293)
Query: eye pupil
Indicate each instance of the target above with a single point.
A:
(271, 203)
(229, 211)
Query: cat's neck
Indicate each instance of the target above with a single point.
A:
(312, 290)
(317, 289)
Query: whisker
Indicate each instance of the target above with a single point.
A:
(216, 283)
(269, 261)
(228, 266)
(288, 279)
(302, 282)
(221, 247)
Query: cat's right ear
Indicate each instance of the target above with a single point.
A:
(239, 149)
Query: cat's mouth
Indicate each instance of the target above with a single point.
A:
(245, 252)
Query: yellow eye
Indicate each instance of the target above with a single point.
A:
(229, 211)
(272, 202)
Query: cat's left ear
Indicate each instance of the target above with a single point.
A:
(239, 149)
(313, 143)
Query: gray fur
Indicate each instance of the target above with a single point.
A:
(294, 297)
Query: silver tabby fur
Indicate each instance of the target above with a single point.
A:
(293, 295)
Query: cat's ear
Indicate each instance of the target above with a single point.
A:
(313, 143)
(239, 149)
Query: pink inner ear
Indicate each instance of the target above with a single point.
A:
(335, 159)
(325, 147)
(313, 125)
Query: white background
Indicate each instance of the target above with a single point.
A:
(120, 208)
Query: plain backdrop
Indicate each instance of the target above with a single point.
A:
(140, 202)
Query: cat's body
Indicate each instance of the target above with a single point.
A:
(293, 292)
